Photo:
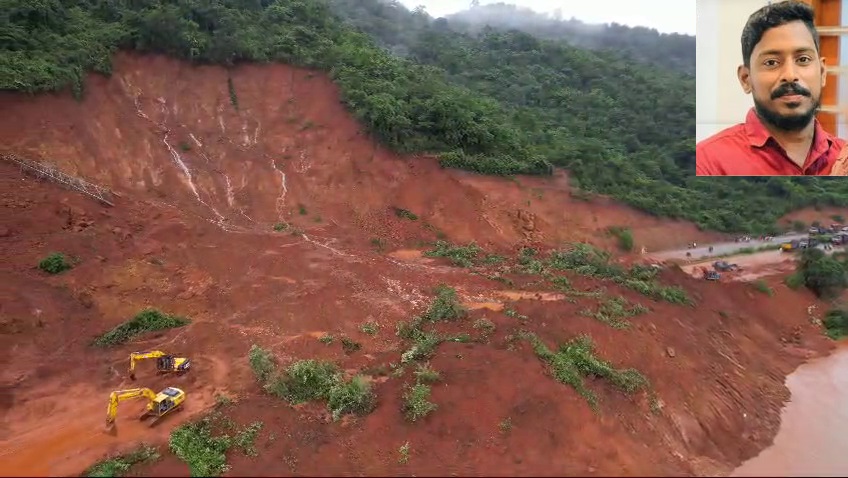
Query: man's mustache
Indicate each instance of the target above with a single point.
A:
(790, 89)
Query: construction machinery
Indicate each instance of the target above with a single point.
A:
(723, 266)
(165, 363)
(709, 275)
(158, 404)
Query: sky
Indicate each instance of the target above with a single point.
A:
(664, 15)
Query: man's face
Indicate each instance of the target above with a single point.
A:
(786, 76)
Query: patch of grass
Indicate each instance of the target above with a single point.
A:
(403, 451)
(148, 320)
(586, 260)
(624, 236)
(370, 328)
(505, 425)
(485, 326)
(326, 339)
(614, 311)
(302, 210)
(493, 259)
(308, 124)
(261, 362)
(416, 402)
(350, 346)
(795, 280)
(222, 400)
(762, 286)
(424, 373)
(55, 263)
(280, 226)
(562, 283)
(378, 243)
(405, 214)
(836, 324)
(424, 344)
(118, 465)
(185, 146)
(462, 256)
(445, 306)
(205, 452)
(528, 262)
(510, 312)
(575, 360)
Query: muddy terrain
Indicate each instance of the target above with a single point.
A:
(202, 177)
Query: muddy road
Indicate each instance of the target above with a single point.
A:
(723, 248)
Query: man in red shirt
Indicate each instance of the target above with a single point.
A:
(784, 73)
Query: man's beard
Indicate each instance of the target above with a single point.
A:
(791, 122)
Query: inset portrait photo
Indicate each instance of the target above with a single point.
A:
(768, 86)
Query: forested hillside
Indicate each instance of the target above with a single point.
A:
(497, 102)
(664, 50)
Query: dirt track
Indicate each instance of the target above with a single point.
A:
(201, 186)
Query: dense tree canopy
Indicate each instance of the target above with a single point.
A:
(490, 100)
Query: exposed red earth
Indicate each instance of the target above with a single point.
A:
(200, 186)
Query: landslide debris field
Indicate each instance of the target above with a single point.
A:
(338, 317)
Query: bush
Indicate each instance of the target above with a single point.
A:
(416, 402)
(354, 396)
(55, 263)
(203, 452)
(148, 320)
(261, 362)
(823, 274)
(119, 465)
(836, 324)
(304, 381)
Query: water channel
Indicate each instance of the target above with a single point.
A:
(813, 436)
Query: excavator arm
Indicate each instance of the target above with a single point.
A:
(136, 356)
(120, 395)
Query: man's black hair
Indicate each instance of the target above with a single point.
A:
(775, 15)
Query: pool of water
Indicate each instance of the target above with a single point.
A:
(813, 435)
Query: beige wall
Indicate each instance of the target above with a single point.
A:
(720, 101)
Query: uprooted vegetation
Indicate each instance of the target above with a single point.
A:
(614, 312)
(586, 260)
(580, 258)
(203, 444)
(120, 464)
(148, 320)
(575, 360)
(462, 256)
(309, 380)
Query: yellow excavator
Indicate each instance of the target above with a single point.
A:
(165, 363)
(158, 404)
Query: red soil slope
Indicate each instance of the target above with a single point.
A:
(201, 185)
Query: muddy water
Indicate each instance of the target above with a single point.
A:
(813, 436)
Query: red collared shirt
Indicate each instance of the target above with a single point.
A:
(748, 149)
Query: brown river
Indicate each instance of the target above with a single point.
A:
(813, 436)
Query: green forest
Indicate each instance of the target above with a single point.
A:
(489, 100)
